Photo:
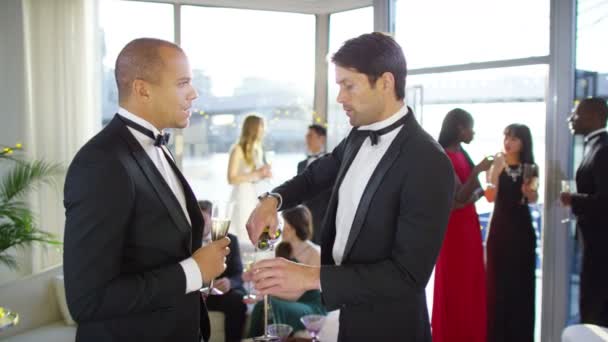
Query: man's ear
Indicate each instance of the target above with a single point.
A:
(388, 81)
(140, 89)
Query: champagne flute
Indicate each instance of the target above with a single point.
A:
(221, 214)
(568, 185)
(248, 261)
(530, 176)
(268, 157)
(265, 250)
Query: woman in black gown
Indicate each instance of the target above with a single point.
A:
(511, 241)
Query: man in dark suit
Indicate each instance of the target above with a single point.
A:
(589, 205)
(316, 138)
(390, 203)
(230, 285)
(133, 260)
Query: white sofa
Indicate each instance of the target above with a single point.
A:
(40, 301)
(585, 333)
(43, 315)
(40, 317)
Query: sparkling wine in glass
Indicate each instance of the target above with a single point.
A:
(568, 185)
(313, 325)
(267, 253)
(248, 261)
(530, 176)
(221, 213)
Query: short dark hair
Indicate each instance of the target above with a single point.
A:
(300, 219)
(374, 54)
(595, 105)
(320, 130)
(205, 205)
(522, 132)
(450, 128)
(140, 59)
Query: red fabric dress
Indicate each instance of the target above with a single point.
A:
(459, 300)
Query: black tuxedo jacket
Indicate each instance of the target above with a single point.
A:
(234, 265)
(317, 206)
(395, 238)
(590, 205)
(125, 235)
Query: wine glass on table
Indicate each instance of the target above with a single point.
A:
(221, 213)
(265, 250)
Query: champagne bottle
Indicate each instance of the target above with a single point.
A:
(266, 240)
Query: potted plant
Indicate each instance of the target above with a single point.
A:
(17, 223)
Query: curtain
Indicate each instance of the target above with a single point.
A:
(63, 110)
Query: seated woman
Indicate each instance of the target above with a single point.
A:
(295, 246)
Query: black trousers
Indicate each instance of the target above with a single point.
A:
(235, 313)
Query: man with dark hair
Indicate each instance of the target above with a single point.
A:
(589, 205)
(316, 138)
(392, 190)
(229, 299)
(133, 261)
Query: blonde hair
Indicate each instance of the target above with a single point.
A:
(249, 139)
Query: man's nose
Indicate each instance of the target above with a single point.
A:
(340, 98)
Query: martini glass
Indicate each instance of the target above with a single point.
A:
(313, 324)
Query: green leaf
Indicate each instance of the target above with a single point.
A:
(25, 176)
(17, 223)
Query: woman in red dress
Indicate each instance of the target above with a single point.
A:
(459, 301)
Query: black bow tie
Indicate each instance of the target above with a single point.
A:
(318, 155)
(374, 136)
(159, 140)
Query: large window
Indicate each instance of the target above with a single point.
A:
(121, 22)
(449, 35)
(446, 32)
(263, 65)
(495, 98)
(591, 51)
(591, 81)
(342, 26)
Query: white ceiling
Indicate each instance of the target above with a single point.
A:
(300, 6)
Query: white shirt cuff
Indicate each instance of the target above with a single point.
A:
(194, 278)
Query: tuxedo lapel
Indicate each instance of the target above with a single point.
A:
(376, 179)
(160, 186)
(191, 204)
(589, 154)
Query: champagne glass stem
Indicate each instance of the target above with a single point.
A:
(265, 315)
(210, 287)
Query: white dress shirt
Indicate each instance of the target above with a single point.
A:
(356, 179)
(314, 157)
(594, 133)
(194, 279)
(590, 136)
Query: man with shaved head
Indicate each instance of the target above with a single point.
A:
(133, 260)
(589, 205)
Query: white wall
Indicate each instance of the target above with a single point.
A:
(12, 94)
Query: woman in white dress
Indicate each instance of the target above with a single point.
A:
(245, 168)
